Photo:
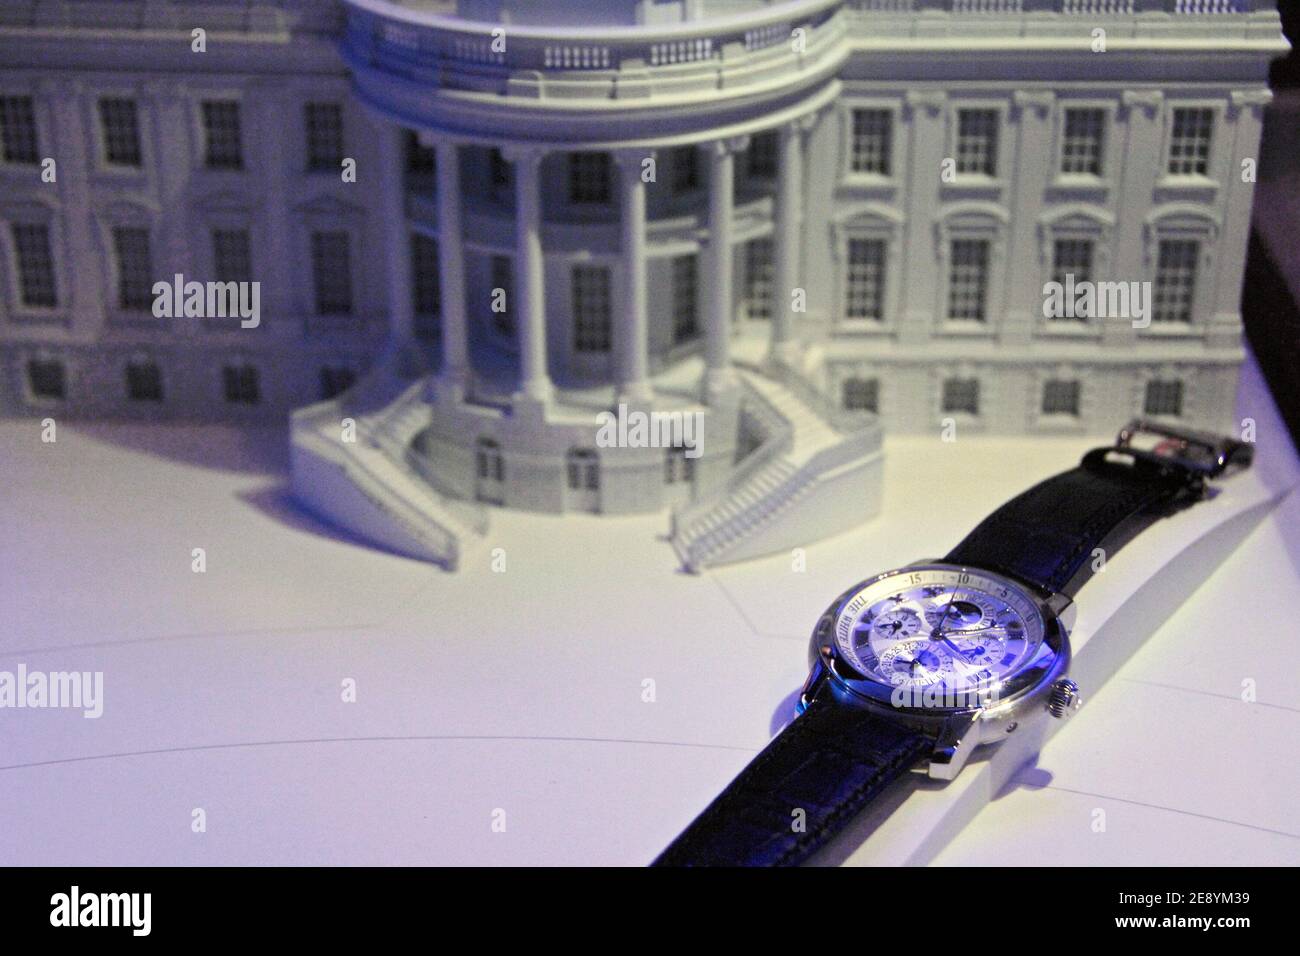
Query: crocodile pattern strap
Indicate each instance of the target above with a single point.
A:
(1046, 536)
(829, 763)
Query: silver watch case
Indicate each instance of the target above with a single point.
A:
(1023, 697)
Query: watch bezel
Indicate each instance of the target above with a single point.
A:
(1020, 693)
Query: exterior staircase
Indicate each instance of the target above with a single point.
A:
(825, 461)
(374, 486)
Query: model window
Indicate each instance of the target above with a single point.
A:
(144, 381)
(685, 169)
(241, 384)
(18, 129)
(421, 160)
(324, 136)
(488, 461)
(758, 278)
(1163, 398)
(1061, 397)
(961, 396)
(591, 316)
(1189, 141)
(36, 286)
(678, 468)
(427, 282)
(232, 255)
(223, 136)
(1072, 257)
(1083, 141)
(861, 394)
(582, 466)
(588, 177)
(331, 263)
(335, 380)
(873, 141)
(121, 131)
(503, 279)
(46, 379)
(685, 311)
(134, 268)
(761, 155)
(865, 288)
(968, 281)
(1175, 287)
(977, 142)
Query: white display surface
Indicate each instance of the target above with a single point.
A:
(524, 690)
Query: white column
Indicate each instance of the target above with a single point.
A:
(632, 332)
(451, 268)
(921, 273)
(719, 375)
(1028, 250)
(788, 247)
(530, 280)
(401, 306)
(1244, 121)
(81, 289)
(1141, 124)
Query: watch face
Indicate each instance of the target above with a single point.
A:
(940, 630)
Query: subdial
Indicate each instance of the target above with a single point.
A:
(983, 649)
(954, 615)
(900, 623)
(915, 662)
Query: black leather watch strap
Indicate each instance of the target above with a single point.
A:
(1047, 535)
(829, 763)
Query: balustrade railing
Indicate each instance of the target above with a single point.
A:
(379, 28)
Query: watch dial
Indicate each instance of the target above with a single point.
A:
(944, 629)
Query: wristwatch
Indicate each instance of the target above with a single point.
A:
(915, 668)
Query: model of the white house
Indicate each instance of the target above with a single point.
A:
(618, 256)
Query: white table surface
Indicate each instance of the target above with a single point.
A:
(523, 691)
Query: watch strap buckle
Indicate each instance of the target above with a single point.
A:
(1196, 454)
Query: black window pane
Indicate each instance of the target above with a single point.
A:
(18, 130)
(134, 268)
(961, 395)
(223, 135)
(121, 131)
(331, 260)
(46, 378)
(335, 380)
(426, 287)
(36, 286)
(762, 161)
(242, 385)
(589, 178)
(872, 144)
(144, 382)
(324, 136)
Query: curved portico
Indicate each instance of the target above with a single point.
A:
(632, 94)
(605, 179)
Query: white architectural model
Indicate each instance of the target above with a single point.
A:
(786, 220)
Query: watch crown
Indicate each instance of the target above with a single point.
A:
(1064, 699)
